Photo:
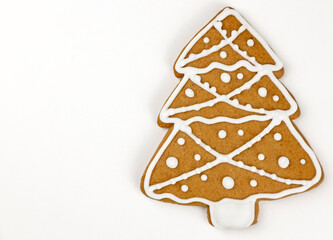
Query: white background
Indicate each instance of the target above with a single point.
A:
(81, 85)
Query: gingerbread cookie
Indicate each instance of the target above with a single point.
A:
(231, 140)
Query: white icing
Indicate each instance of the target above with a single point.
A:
(222, 134)
(276, 98)
(232, 213)
(240, 132)
(261, 156)
(283, 162)
(250, 43)
(184, 188)
(253, 183)
(302, 161)
(204, 177)
(225, 77)
(243, 209)
(228, 182)
(262, 92)
(181, 141)
(197, 157)
(277, 136)
(206, 40)
(189, 92)
(240, 76)
(223, 54)
(172, 162)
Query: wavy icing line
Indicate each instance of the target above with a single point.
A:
(182, 61)
(166, 112)
(247, 85)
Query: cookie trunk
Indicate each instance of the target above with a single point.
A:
(233, 213)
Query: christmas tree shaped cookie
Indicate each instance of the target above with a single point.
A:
(231, 140)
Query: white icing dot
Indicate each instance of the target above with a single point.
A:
(276, 98)
(181, 141)
(222, 134)
(262, 92)
(223, 54)
(240, 76)
(250, 43)
(240, 132)
(172, 162)
(225, 77)
(261, 156)
(184, 188)
(302, 161)
(189, 92)
(253, 183)
(206, 40)
(277, 136)
(204, 177)
(228, 182)
(197, 157)
(283, 162)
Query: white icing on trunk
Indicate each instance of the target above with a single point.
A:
(232, 213)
